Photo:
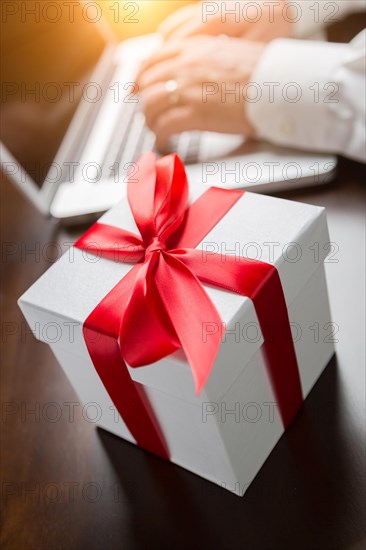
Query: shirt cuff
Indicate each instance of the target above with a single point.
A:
(298, 100)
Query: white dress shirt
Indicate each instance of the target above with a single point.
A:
(311, 94)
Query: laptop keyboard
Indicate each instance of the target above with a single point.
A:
(132, 137)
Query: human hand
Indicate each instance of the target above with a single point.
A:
(260, 20)
(211, 76)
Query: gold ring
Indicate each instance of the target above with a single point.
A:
(172, 88)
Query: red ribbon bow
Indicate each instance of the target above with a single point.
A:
(161, 305)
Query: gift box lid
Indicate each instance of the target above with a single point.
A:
(290, 235)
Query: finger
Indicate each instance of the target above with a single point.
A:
(190, 28)
(166, 52)
(173, 121)
(178, 18)
(154, 101)
(161, 72)
(194, 28)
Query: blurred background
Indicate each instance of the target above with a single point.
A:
(48, 54)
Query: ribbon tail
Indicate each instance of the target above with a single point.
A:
(101, 333)
(146, 332)
(128, 397)
(270, 305)
(261, 283)
(189, 308)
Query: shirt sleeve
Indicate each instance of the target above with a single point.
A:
(311, 95)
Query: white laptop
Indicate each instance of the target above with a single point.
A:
(81, 132)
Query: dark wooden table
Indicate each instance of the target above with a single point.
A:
(68, 485)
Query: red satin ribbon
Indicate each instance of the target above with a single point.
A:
(160, 305)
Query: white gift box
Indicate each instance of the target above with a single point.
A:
(226, 433)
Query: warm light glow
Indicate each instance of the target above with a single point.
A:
(130, 18)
